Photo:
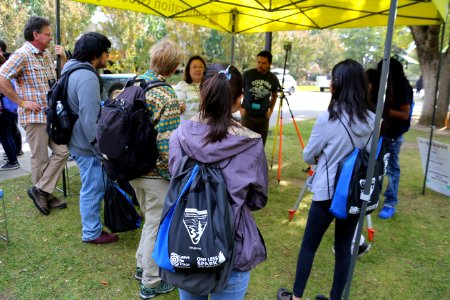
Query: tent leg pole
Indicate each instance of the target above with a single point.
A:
(380, 104)
(268, 46)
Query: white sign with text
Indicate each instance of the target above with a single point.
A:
(438, 177)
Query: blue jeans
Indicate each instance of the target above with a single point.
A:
(93, 185)
(235, 290)
(392, 146)
(319, 219)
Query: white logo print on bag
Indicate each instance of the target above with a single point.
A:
(195, 222)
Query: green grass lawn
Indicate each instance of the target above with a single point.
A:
(409, 259)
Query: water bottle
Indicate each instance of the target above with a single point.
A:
(63, 118)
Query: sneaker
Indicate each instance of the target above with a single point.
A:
(39, 199)
(9, 166)
(322, 297)
(162, 288)
(387, 212)
(363, 249)
(104, 238)
(284, 294)
(20, 154)
(138, 274)
(55, 202)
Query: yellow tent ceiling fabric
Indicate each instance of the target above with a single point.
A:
(242, 16)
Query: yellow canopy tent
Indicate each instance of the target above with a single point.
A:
(246, 16)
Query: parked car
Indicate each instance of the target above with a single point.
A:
(290, 84)
(323, 82)
(110, 79)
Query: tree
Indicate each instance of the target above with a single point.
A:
(427, 43)
(309, 48)
(365, 45)
(14, 15)
(74, 19)
(132, 35)
(214, 47)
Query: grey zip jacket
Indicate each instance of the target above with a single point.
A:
(241, 157)
(328, 144)
(83, 91)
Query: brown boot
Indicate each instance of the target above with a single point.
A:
(39, 199)
(55, 202)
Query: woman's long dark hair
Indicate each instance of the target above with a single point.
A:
(221, 86)
(373, 78)
(396, 81)
(349, 91)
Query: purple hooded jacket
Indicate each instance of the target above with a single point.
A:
(241, 155)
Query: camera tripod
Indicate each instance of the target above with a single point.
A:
(279, 123)
(279, 132)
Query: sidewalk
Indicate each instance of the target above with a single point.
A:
(24, 161)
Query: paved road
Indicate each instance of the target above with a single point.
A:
(304, 105)
(307, 105)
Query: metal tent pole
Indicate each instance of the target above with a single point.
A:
(268, 46)
(365, 196)
(234, 14)
(58, 74)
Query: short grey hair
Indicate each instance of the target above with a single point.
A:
(165, 56)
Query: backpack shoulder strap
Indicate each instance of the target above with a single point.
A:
(152, 84)
(86, 67)
(349, 135)
(80, 67)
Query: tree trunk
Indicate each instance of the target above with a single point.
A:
(427, 40)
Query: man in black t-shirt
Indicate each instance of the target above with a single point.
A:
(260, 95)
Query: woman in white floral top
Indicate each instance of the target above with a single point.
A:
(188, 91)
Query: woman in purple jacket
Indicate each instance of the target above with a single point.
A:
(213, 136)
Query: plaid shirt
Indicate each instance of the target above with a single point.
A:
(32, 70)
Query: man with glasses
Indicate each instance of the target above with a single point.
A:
(33, 69)
(85, 91)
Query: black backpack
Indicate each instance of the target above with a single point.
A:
(350, 181)
(119, 212)
(125, 134)
(195, 243)
(61, 132)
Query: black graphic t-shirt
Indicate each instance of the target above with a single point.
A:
(391, 127)
(258, 89)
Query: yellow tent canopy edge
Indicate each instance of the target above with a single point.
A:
(240, 16)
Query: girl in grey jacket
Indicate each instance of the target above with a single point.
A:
(329, 143)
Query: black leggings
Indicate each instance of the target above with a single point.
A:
(6, 121)
(16, 135)
(319, 219)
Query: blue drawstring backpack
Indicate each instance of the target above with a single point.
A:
(195, 243)
(350, 181)
(161, 250)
